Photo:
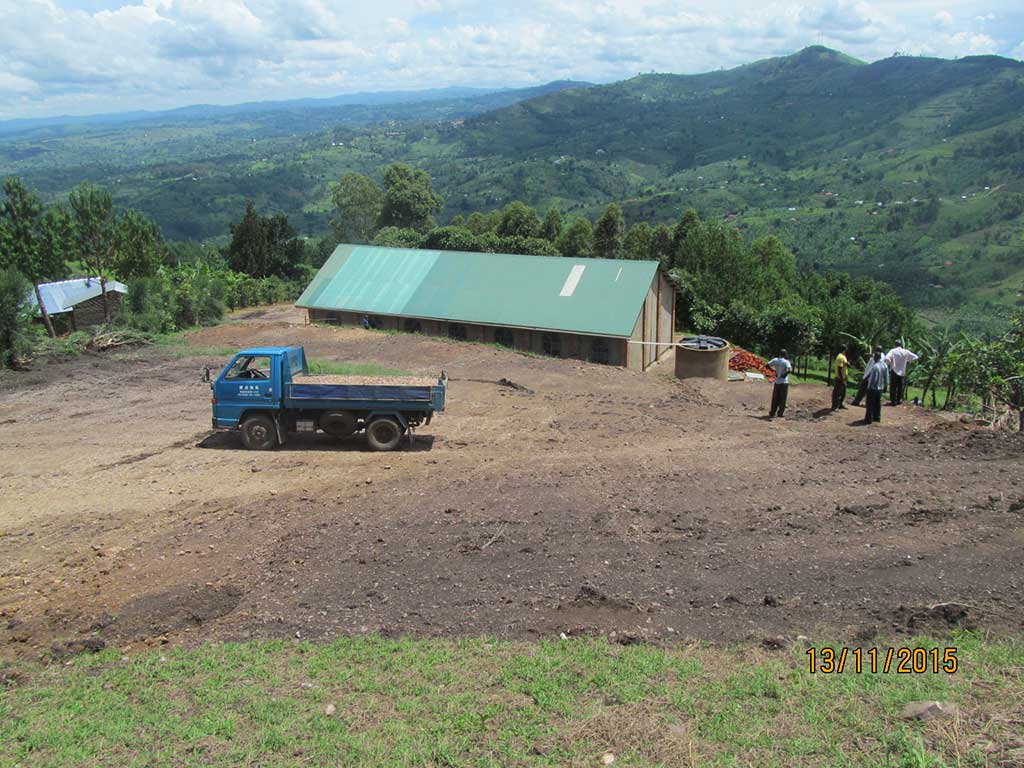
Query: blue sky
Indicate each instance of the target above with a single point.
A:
(88, 56)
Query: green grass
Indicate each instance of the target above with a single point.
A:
(344, 368)
(483, 703)
(177, 344)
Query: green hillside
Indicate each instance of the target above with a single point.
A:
(908, 169)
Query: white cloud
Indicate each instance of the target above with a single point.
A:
(56, 57)
(13, 84)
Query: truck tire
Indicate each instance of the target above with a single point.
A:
(383, 434)
(339, 423)
(259, 433)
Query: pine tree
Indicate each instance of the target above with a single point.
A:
(609, 233)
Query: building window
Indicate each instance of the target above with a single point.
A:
(551, 343)
(412, 326)
(504, 337)
(599, 351)
(457, 331)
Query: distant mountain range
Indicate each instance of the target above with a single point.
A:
(488, 97)
(909, 169)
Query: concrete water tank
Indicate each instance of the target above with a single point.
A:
(703, 357)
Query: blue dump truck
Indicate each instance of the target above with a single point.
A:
(267, 393)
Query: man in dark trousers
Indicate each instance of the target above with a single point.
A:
(780, 392)
(862, 385)
(898, 358)
(877, 377)
(842, 377)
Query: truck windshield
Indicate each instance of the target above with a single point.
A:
(249, 367)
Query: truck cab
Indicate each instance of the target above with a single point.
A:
(253, 382)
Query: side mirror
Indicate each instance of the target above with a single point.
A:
(206, 374)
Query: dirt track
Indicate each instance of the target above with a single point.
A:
(602, 501)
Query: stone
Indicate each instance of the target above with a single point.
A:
(330, 709)
(607, 758)
(929, 710)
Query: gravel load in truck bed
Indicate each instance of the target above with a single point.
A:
(394, 381)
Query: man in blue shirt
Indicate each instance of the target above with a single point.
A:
(877, 378)
(780, 392)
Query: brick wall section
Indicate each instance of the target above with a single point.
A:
(90, 312)
(567, 345)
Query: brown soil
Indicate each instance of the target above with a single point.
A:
(587, 500)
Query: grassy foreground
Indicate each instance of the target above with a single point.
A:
(378, 702)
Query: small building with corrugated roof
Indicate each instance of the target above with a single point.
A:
(78, 303)
(601, 310)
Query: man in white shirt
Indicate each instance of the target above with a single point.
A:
(780, 392)
(897, 359)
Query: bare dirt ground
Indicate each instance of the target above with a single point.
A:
(599, 501)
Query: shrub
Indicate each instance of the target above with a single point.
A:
(15, 318)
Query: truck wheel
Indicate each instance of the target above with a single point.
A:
(259, 433)
(339, 423)
(383, 434)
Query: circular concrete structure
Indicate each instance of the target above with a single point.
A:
(703, 357)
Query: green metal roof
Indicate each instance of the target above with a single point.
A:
(595, 296)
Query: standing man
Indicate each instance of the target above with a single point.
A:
(898, 358)
(877, 377)
(842, 377)
(862, 386)
(780, 392)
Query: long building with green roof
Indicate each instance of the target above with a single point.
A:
(601, 310)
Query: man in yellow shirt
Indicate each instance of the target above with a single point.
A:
(842, 377)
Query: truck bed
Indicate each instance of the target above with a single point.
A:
(366, 393)
(372, 381)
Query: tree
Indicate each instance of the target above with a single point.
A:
(264, 245)
(793, 325)
(687, 223)
(518, 220)
(451, 239)
(576, 240)
(772, 268)
(477, 223)
(551, 227)
(637, 244)
(28, 239)
(249, 249)
(13, 292)
(535, 246)
(409, 199)
(140, 248)
(661, 244)
(357, 207)
(609, 233)
(395, 237)
(95, 227)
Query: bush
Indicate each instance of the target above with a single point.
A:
(15, 317)
(150, 305)
(198, 293)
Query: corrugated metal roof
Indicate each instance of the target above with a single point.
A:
(595, 296)
(62, 296)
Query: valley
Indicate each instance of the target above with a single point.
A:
(909, 170)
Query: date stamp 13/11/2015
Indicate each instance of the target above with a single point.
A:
(897, 660)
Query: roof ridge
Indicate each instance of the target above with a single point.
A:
(75, 280)
(585, 259)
